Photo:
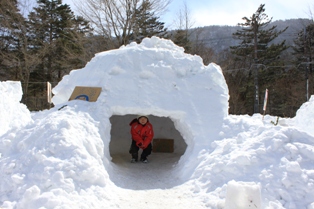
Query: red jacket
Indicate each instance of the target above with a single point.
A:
(142, 134)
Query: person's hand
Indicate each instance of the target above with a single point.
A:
(144, 145)
(139, 144)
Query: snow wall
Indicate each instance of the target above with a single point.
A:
(13, 114)
(154, 78)
(302, 120)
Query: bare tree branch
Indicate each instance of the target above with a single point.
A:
(114, 19)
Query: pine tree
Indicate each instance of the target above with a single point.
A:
(12, 42)
(256, 39)
(180, 38)
(146, 24)
(304, 48)
(56, 42)
(256, 49)
(56, 37)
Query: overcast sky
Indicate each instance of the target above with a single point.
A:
(230, 12)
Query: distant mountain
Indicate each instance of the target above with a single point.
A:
(220, 38)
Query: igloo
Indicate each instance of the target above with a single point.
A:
(184, 99)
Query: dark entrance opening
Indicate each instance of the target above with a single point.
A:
(155, 174)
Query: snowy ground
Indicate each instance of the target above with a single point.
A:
(60, 158)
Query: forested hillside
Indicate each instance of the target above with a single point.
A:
(289, 79)
(219, 38)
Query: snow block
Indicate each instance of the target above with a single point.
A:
(243, 195)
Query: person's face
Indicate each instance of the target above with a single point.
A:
(142, 120)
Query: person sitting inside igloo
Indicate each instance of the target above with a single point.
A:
(142, 135)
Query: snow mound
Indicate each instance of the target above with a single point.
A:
(13, 114)
(155, 78)
(278, 158)
(58, 155)
(302, 119)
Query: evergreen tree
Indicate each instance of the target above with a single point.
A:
(12, 42)
(56, 43)
(180, 38)
(256, 39)
(57, 38)
(146, 24)
(16, 61)
(258, 52)
(304, 48)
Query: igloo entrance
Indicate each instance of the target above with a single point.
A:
(121, 139)
(159, 172)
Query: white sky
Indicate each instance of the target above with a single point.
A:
(230, 12)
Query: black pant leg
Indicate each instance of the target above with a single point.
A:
(134, 150)
(147, 151)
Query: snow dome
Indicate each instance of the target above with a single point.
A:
(158, 79)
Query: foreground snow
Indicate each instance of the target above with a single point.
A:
(59, 158)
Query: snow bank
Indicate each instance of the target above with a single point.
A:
(13, 114)
(278, 158)
(57, 156)
(302, 119)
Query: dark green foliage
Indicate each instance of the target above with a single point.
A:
(241, 92)
(258, 54)
(146, 24)
(57, 37)
(303, 51)
(256, 40)
(12, 40)
(56, 41)
(180, 38)
(304, 48)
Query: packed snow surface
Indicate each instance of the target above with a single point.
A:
(61, 157)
